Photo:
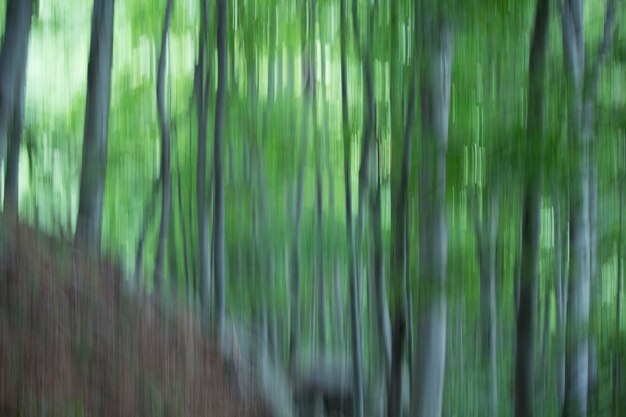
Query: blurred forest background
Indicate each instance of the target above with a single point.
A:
(396, 207)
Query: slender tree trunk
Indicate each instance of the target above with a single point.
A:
(379, 296)
(369, 129)
(183, 229)
(380, 292)
(18, 42)
(560, 240)
(172, 256)
(13, 58)
(319, 193)
(486, 233)
(218, 212)
(531, 222)
(11, 192)
(201, 91)
(357, 355)
(295, 249)
(93, 172)
(147, 218)
(594, 286)
(166, 179)
(294, 252)
(401, 143)
(338, 308)
(583, 86)
(618, 300)
(435, 82)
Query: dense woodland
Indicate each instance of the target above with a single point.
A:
(414, 207)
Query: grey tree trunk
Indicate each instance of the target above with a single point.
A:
(529, 267)
(618, 300)
(93, 172)
(595, 284)
(400, 170)
(380, 291)
(11, 191)
(368, 132)
(319, 192)
(218, 212)
(166, 179)
(338, 308)
(17, 123)
(355, 317)
(201, 92)
(294, 255)
(435, 81)
(486, 233)
(13, 58)
(295, 248)
(582, 95)
(183, 229)
(560, 244)
(147, 218)
(379, 295)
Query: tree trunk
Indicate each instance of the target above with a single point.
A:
(560, 241)
(435, 81)
(486, 233)
(582, 95)
(369, 129)
(218, 212)
(319, 194)
(401, 143)
(294, 336)
(201, 92)
(166, 179)
(20, 46)
(618, 300)
(13, 59)
(531, 220)
(147, 218)
(93, 172)
(595, 284)
(183, 229)
(355, 317)
(11, 192)
(295, 249)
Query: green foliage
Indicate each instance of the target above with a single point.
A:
(487, 139)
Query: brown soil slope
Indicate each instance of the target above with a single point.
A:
(74, 342)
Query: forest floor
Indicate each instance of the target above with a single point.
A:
(74, 341)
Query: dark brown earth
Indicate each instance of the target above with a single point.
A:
(75, 342)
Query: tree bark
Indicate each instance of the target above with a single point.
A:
(166, 179)
(531, 220)
(93, 172)
(218, 212)
(435, 82)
